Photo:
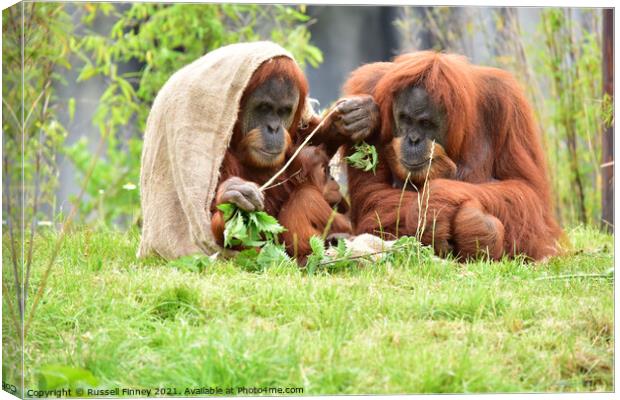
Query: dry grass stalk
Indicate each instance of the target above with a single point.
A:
(329, 223)
(400, 201)
(10, 306)
(63, 232)
(425, 192)
(296, 153)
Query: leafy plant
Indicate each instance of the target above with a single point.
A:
(146, 44)
(571, 58)
(365, 157)
(254, 259)
(272, 254)
(250, 229)
(246, 259)
(35, 49)
(318, 254)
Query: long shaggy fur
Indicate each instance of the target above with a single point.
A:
(297, 198)
(493, 139)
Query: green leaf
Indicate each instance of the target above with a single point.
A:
(56, 376)
(272, 254)
(365, 157)
(227, 209)
(254, 242)
(249, 229)
(71, 107)
(247, 259)
(318, 253)
(267, 223)
(341, 249)
(103, 55)
(126, 88)
(235, 231)
(318, 246)
(87, 72)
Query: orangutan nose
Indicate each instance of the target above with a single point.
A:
(414, 139)
(273, 127)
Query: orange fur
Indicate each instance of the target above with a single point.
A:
(311, 222)
(477, 233)
(297, 197)
(299, 200)
(501, 193)
(236, 160)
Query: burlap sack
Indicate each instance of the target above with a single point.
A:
(187, 133)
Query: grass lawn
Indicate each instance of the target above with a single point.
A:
(416, 324)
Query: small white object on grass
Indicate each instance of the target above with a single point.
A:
(365, 244)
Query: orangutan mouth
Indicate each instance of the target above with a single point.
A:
(412, 167)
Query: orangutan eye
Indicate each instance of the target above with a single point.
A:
(404, 118)
(263, 108)
(285, 112)
(426, 123)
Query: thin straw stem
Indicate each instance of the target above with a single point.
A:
(296, 153)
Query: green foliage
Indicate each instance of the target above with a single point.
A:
(608, 110)
(268, 256)
(35, 48)
(411, 249)
(35, 143)
(570, 56)
(114, 178)
(249, 229)
(246, 259)
(56, 376)
(342, 258)
(162, 38)
(272, 254)
(317, 256)
(365, 157)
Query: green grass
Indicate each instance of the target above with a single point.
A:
(417, 324)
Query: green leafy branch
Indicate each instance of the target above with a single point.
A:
(250, 229)
(365, 157)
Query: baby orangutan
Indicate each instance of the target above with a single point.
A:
(305, 202)
(316, 192)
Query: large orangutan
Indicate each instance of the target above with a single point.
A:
(264, 137)
(434, 109)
